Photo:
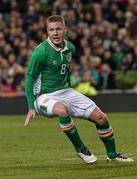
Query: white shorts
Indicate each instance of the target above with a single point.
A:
(78, 104)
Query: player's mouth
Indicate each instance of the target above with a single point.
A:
(56, 38)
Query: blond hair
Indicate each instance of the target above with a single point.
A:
(55, 18)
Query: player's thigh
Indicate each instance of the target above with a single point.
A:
(48, 105)
(44, 105)
(80, 105)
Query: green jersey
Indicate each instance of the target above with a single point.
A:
(48, 70)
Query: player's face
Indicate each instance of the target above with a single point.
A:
(56, 32)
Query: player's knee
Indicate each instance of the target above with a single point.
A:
(101, 118)
(60, 109)
(63, 111)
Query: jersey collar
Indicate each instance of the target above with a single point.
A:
(56, 48)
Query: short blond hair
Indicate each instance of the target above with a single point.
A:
(55, 18)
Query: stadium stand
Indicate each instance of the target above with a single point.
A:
(104, 33)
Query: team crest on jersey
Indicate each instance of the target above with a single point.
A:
(69, 56)
(54, 62)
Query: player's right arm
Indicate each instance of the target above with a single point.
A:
(35, 66)
(30, 115)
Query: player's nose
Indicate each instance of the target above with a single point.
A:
(55, 32)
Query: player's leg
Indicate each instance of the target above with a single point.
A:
(104, 131)
(47, 106)
(81, 106)
(106, 134)
(68, 127)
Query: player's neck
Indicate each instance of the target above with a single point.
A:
(61, 45)
(57, 47)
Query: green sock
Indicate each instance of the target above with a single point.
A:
(106, 135)
(67, 125)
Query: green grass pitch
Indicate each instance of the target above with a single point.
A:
(42, 151)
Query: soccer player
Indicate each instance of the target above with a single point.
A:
(49, 93)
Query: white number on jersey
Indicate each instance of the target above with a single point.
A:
(63, 69)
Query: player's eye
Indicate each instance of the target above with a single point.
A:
(50, 29)
(59, 29)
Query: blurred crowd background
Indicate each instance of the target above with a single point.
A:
(104, 33)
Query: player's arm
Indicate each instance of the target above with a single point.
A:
(35, 66)
(30, 115)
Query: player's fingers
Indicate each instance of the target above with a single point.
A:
(34, 114)
(27, 120)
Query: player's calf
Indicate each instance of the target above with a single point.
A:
(67, 125)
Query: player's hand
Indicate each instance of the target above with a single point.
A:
(30, 115)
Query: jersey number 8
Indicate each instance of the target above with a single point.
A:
(63, 69)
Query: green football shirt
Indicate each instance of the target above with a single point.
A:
(48, 70)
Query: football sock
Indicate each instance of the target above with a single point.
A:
(105, 133)
(67, 125)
